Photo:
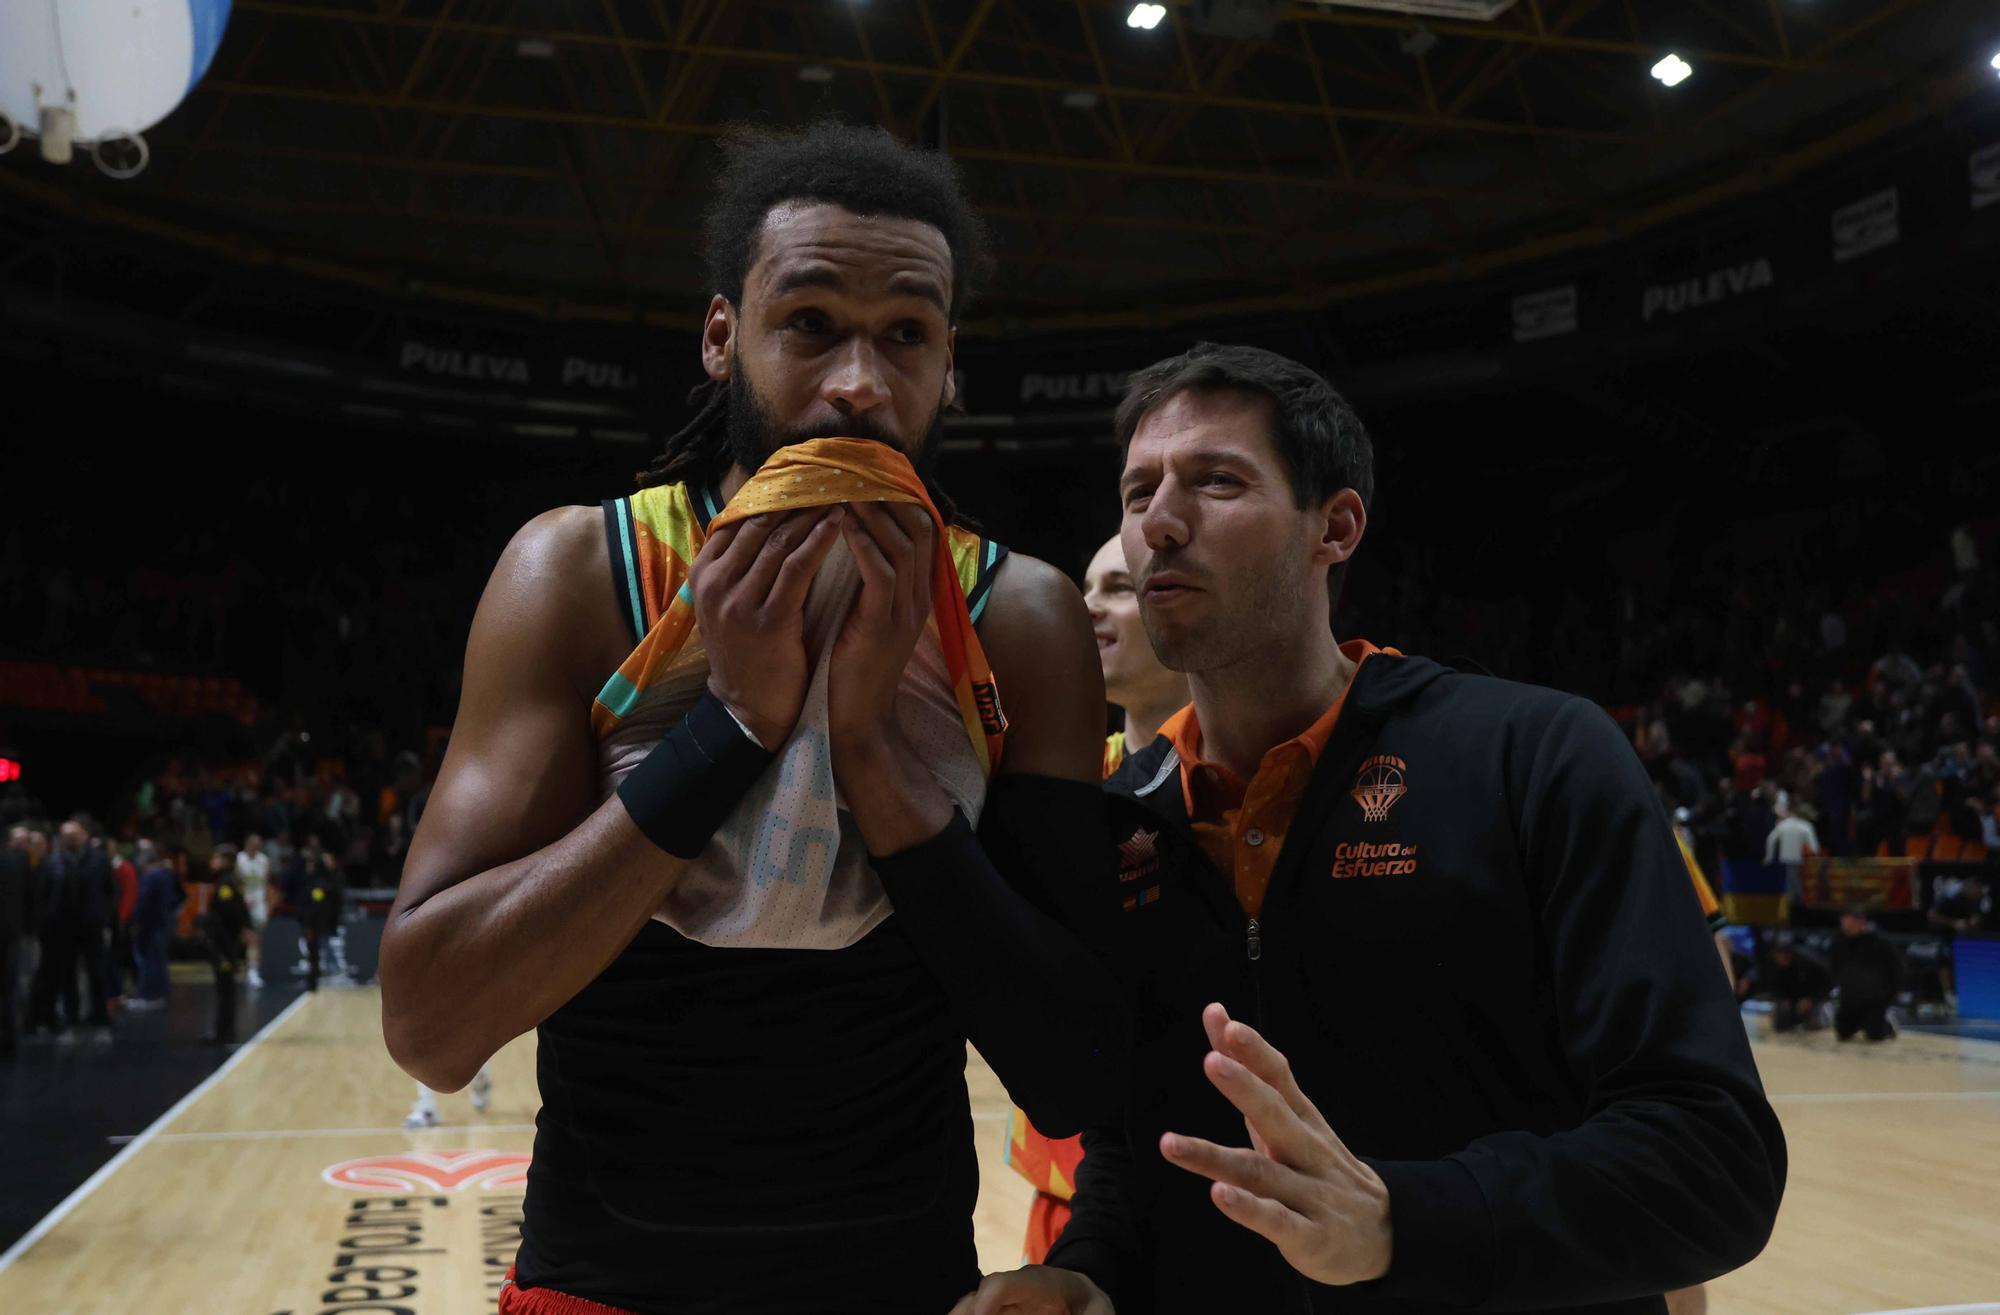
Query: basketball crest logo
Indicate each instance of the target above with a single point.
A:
(431, 1171)
(1379, 785)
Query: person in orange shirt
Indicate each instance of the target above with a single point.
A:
(1148, 693)
(1134, 678)
(1560, 1112)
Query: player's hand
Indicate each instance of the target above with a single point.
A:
(1326, 1211)
(1034, 1290)
(749, 584)
(891, 543)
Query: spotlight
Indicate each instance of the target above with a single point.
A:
(815, 73)
(1145, 17)
(535, 48)
(1673, 70)
(1081, 99)
(1995, 62)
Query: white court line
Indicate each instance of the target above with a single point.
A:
(1840, 1097)
(282, 1134)
(96, 1180)
(1979, 1308)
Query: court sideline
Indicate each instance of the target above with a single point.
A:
(285, 1183)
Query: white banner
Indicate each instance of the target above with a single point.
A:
(1867, 225)
(1547, 314)
(1704, 290)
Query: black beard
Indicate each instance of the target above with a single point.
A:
(752, 433)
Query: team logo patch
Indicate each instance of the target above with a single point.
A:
(431, 1171)
(986, 697)
(1139, 857)
(1378, 786)
(1365, 860)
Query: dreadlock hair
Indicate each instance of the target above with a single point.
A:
(861, 169)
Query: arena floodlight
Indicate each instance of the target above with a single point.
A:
(1673, 70)
(1995, 61)
(1145, 17)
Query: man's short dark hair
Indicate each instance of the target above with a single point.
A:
(863, 170)
(1323, 442)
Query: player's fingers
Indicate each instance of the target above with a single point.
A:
(876, 600)
(795, 576)
(1261, 1215)
(780, 541)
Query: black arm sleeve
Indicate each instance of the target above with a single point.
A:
(1105, 1239)
(1006, 921)
(1674, 1174)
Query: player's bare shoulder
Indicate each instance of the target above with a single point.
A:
(551, 594)
(1037, 637)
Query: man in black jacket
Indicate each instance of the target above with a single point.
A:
(1559, 1110)
(15, 873)
(1868, 972)
(78, 900)
(1798, 985)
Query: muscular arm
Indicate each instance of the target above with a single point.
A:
(1004, 919)
(519, 887)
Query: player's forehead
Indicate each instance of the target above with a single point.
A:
(816, 244)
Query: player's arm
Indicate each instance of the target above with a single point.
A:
(520, 886)
(1675, 1172)
(1000, 917)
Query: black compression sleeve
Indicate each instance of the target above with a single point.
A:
(1105, 1238)
(1010, 950)
(694, 777)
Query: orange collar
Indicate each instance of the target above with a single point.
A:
(1183, 729)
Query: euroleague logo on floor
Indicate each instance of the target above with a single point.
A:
(431, 1171)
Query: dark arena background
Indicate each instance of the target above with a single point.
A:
(1685, 392)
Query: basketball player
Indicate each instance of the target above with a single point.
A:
(424, 1114)
(253, 874)
(1147, 694)
(1430, 1018)
(731, 1122)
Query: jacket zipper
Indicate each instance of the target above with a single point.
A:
(1253, 947)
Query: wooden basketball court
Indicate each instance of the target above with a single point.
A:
(286, 1184)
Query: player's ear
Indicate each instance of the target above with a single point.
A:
(718, 337)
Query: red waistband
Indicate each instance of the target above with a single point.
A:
(547, 1301)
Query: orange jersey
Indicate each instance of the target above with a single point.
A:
(1047, 1163)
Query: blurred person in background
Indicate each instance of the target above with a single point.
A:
(1798, 985)
(120, 968)
(1868, 974)
(1792, 839)
(15, 875)
(78, 898)
(1958, 910)
(253, 874)
(226, 927)
(159, 899)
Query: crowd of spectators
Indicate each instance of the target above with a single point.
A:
(91, 909)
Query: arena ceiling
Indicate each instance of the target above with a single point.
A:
(552, 155)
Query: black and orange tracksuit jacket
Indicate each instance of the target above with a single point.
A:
(1500, 992)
